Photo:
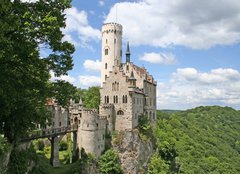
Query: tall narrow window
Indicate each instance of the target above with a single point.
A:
(106, 40)
(106, 51)
(105, 77)
(115, 40)
(105, 65)
(125, 98)
(116, 99)
(107, 99)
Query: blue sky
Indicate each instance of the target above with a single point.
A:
(192, 48)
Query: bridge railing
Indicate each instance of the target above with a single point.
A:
(51, 132)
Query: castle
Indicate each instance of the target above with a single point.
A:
(127, 92)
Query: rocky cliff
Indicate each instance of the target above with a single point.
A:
(134, 153)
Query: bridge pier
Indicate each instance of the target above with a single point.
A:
(54, 159)
(74, 154)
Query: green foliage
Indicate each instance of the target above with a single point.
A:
(200, 140)
(144, 127)
(4, 145)
(90, 97)
(20, 159)
(157, 165)
(26, 29)
(109, 163)
(63, 145)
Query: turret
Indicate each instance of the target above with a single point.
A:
(111, 48)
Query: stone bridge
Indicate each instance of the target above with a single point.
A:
(54, 135)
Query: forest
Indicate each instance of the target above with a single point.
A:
(201, 140)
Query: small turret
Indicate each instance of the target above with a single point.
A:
(132, 81)
(80, 102)
(128, 53)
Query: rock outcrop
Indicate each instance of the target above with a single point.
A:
(134, 153)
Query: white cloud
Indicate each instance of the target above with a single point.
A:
(195, 24)
(190, 88)
(101, 3)
(62, 77)
(91, 65)
(161, 58)
(88, 81)
(77, 25)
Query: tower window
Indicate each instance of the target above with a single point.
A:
(106, 51)
(115, 40)
(105, 77)
(105, 65)
(106, 40)
(121, 53)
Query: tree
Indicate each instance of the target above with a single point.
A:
(108, 163)
(91, 97)
(25, 29)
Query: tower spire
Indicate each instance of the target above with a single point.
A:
(128, 53)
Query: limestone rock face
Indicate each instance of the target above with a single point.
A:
(134, 153)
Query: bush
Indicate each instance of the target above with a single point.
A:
(109, 163)
(63, 145)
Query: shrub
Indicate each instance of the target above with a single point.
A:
(63, 145)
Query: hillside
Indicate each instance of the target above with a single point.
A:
(201, 140)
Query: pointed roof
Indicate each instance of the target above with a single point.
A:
(128, 49)
(132, 76)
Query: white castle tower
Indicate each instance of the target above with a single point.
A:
(111, 48)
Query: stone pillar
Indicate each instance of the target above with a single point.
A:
(74, 154)
(54, 159)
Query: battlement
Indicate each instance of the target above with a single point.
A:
(90, 111)
(112, 27)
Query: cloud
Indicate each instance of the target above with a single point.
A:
(195, 24)
(91, 65)
(88, 81)
(189, 88)
(101, 3)
(78, 31)
(161, 58)
(62, 77)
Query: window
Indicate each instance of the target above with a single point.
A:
(106, 40)
(127, 68)
(115, 40)
(106, 51)
(106, 77)
(116, 99)
(121, 53)
(107, 99)
(60, 123)
(105, 65)
(120, 112)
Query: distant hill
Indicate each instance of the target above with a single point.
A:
(169, 111)
(201, 140)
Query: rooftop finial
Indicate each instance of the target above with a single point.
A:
(128, 53)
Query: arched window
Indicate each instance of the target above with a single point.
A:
(116, 99)
(123, 99)
(120, 112)
(107, 99)
(106, 51)
(105, 65)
